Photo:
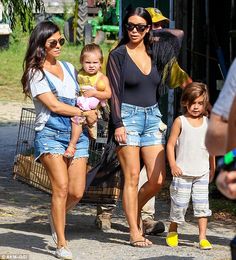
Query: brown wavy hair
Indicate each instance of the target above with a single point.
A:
(35, 53)
(193, 91)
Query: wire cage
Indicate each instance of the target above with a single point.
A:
(32, 172)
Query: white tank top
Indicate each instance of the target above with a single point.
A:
(191, 154)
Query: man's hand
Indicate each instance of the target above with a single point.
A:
(226, 183)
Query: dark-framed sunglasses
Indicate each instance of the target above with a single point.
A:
(139, 27)
(53, 43)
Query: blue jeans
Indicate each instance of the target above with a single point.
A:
(55, 136)
(143, 125)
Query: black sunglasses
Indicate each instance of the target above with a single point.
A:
(139, 27)
(53, 43)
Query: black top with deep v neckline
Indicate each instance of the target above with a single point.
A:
(140, 89)
(116, 69)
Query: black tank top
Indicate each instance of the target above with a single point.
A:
(140, 89)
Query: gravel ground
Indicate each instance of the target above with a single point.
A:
(24, 228)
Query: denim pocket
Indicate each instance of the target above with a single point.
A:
(157, 112)
(127, 112)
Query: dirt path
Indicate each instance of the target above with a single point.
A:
(24, 229)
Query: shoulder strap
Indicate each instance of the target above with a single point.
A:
(71, 74)
(51, 85)
(182, 120)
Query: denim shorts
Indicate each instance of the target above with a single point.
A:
(143, 125)
(52, 141)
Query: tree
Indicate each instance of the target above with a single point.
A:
(22, 9)
(25, 9)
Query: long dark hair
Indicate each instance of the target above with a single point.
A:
(142, 12)
(35, 54)
(165, 49)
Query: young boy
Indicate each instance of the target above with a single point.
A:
(191, 166)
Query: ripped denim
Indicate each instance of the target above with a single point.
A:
(143, 125)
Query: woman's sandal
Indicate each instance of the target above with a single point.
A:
(140, 243)
(141, 228)
(70, 151)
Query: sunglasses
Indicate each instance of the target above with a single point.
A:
(139, 27)
(53, 43)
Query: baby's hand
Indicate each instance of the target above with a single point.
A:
(89, 92)
(176, 171)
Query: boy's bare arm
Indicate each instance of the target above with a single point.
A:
(175, 131)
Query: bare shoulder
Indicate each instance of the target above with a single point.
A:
(102, 76)
(177, 122)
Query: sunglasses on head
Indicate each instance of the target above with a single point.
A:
(53, 43)
(139, 27)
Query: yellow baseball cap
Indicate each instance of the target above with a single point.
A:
(156, 15)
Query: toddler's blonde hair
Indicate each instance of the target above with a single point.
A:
(91, 47)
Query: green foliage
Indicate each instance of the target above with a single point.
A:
(14, 9)
(18, 34)
(12, 60)
(66, 13)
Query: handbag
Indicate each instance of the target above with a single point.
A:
(107, 168)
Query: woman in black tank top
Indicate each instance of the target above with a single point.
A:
(135, 123)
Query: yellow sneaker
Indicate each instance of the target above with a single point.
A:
(205, 244)
(172, 239)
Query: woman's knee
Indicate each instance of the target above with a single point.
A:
(60, 191)
(161, 179)
(157, 183)
(132, 178)
(76, 195)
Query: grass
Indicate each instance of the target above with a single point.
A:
(11, 71)
(12, 60)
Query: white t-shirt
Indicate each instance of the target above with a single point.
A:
(39, 85)
(228, 93)
(192, 156)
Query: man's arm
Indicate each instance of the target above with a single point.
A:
(226, 180)
(231, 137)
(216, 135)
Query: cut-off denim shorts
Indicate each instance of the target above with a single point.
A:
(53, 141)
(143, 125)
(54, 138)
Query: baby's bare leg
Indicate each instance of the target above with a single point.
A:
(76, 130)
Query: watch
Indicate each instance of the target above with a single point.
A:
(228, 161)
